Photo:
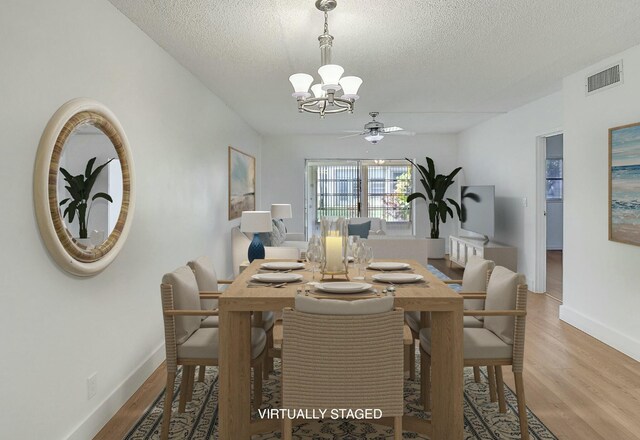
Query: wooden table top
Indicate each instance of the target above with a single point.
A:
(432, 296)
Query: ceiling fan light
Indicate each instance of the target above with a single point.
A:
(331, 74)
(300, 83)
(374, 138)
(350, 86)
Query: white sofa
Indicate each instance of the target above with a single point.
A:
(290, 249)
(378, 225)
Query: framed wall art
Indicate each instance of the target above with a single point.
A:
(242, 183)
(624, 184)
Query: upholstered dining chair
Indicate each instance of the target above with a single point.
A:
(343, 354)
(188, 344)
(474, 280)
(500, 340)
(208, 283)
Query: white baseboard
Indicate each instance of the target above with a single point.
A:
(90, 426)
(611, 337)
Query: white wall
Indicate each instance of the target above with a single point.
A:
(601, 278)
(502, 152)
(283, 166)
(58, 329)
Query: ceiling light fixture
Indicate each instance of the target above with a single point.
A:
(324, 100)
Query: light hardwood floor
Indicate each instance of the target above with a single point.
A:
(580, 388)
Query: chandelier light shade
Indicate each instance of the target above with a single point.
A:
(330, 74)
(301, 83)
(325, 100)
(350, 86)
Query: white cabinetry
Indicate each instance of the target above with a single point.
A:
(461, 248)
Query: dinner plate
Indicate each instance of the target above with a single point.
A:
(282, 265)
(389, 265)
(398, 278)
(276, 277)
(343, 287)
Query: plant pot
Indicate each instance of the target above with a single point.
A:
(435, 248)
(84, 243)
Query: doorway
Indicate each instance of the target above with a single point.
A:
(550, 210)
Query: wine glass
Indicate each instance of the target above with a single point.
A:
(314, 255)
(358, 257)
(367, 259)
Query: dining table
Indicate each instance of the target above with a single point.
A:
(441, 308)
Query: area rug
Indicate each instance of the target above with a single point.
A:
(482, 420)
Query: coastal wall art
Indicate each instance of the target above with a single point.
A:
(624, 184)
(242, 183)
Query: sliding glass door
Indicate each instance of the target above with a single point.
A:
(359, 188)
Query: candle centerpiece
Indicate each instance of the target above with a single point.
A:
(334, 248)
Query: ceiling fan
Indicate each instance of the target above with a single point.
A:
(374, 131)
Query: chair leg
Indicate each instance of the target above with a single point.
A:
(257, 385)
(168, 398)
(406, 359)
(287, 428)
(476, 374)
(191, 383)
(397, 428)
(268, 360)
(201, 372)
(184, 387)
(500, 385)
(425, 379)
(522, 406)
(412, 360)
(491, 373)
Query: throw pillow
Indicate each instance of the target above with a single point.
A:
(277, 236)
(361, 229)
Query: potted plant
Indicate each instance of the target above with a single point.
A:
(79, 188)
(435, 188)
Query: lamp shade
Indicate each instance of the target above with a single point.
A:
(300, 83)
(256, 221)
(331, 74)
(350, 86)
(281, 210)
(317, 91)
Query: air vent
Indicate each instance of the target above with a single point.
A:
(605, 79)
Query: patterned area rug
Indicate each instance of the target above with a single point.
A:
(482, 420)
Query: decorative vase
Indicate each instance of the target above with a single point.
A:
(334, 235)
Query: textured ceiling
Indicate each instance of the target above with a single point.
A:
(468, 59)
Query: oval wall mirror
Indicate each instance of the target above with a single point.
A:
(84, 186)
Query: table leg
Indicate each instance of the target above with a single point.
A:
(447, 375)
(234, 400)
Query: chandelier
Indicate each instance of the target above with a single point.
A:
(324, 100)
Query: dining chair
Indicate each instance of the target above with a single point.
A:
(343, 354)
(188, 344)
(208, 282)
(500, 340)
(474, 280)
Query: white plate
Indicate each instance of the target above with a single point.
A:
(389, 265)
(282, 265)
(343, 287)
(277, 277)
(398, 278)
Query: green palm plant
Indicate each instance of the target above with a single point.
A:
(435, 188)
(79, 188)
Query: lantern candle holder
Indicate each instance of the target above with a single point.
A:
(334, 249)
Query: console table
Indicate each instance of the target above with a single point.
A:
(461, 248)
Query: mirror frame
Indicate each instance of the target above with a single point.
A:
(71, 256)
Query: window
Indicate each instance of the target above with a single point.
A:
(361, 189)
(554, 179)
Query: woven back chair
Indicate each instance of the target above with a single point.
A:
(189, 345)
(499, 342)
(352, 361)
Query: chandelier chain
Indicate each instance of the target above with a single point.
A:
(326, 22)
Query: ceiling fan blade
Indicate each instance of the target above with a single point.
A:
(352, 135)
(351, 131)
(402, 133)
(391, 129)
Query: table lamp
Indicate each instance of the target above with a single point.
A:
(256, 222)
